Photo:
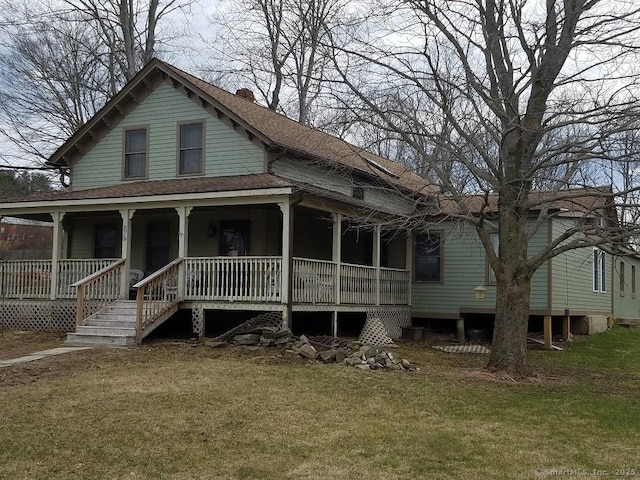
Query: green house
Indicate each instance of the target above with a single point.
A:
(186, 197)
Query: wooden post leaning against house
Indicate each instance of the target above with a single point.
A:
(548, 334)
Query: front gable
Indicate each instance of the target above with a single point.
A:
(227, 151)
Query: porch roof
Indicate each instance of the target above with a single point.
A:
(191, 185)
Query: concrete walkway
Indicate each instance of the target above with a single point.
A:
(39, 355)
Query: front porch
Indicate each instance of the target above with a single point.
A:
(250, 283)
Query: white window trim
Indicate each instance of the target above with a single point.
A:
(599, 270)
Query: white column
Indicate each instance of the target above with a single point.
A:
(376, 260)
(126, 215)
(56, 251)
(409, 264)
(183, 244)
(337, 251)
(287, 258)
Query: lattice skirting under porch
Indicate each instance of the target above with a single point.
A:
(385, 323)
(46, 315)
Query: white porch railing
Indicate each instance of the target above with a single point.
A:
(249, 279)
(357, 284)
(313, 281)
(71, 271)
(394, 286)
(32, 278)
(25, 279)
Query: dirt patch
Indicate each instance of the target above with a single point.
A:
(16, 343)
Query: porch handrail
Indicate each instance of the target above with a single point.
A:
(244, 278)
(157, 294)
(97, 290)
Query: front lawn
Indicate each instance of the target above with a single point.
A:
(178, 411)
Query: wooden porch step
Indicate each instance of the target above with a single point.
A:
(79, 339)
(106, 331)
(115, 325)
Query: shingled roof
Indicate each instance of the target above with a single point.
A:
(276, 131)
(166, 187)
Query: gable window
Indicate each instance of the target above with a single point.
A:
(135, 153)
(621, 278)
(191, 148)
(428, 257)
(599, 271)
(358, 192)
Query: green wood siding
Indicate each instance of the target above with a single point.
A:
(573, 278)
(465, 268)
(227, 152)
(340, 182)
(626, 304)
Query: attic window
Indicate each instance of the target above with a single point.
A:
(379, 167)
(191, 151)
(135, 153)
(358, 192)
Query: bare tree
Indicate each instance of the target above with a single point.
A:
(518, 95)
(277, 46)
(61, 62)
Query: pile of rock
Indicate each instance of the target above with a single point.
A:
(366, 357)
(264, 336)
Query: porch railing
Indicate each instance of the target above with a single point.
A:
(71, 271)
(250, 279)
(25, 279)
(313, 281)
(357, 284)
(32, 278)
(394, 286)
(157, 295)
(98, 290)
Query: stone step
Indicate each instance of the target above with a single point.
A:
(106, 331)
(80, 339)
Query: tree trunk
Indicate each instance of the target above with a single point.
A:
(509, 349)
(513, 285)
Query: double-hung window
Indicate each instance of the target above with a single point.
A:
(135, 153)
(191, 148)
(599, 271)
(428, 257)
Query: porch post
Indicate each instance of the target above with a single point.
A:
(336, 251)
(183, 244)
(56, 252)
(376, 260)
(287, 258)
(408, 264)
(126, 215)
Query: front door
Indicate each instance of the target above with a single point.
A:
(158, 242)
(234, 238)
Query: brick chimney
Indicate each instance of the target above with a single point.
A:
(246, 94)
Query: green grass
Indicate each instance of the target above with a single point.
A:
(184, 412)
